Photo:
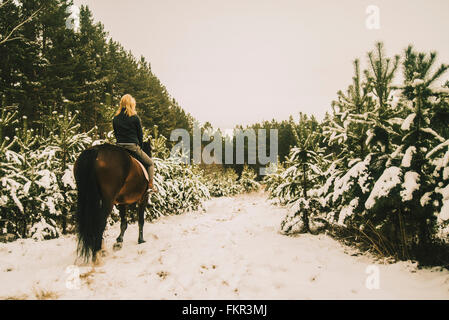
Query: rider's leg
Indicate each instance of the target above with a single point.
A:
(149, 164)
(150, 170)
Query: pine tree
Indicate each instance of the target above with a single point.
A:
(89, 75)
(353, 118)
(422, 103)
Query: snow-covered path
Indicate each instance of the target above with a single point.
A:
(232, 251)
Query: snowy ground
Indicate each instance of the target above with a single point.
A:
(232, 251)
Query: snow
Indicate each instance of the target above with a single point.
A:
(408, 121)
(387, 181)
(440, 90)
(432, 132)
(344, 183)
(26, 188)
(394, 121)
(370, 136)
(410, 185)
(444, 212)
(16, 200)
(41, 229)
(347, 211)
(67, 178)
(440, 162)
(13, 157)
(417, 82)
(3, 200)
(232, 251)
(426, 198)
(17, 3)
(46, 179)
(396, 152)
(433, 100)
(50, 204)
(406, 161)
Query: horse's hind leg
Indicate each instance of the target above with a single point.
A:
(123, 226)
(123, 222)
(99, 250)
(141, 209)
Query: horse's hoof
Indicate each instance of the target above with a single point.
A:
(141, 241)
(103, 253)
(117, 246)
(97, 261)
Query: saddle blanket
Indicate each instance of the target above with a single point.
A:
(145, 172)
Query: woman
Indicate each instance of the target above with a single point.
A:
(128, 133)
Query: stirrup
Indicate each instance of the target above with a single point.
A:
(153, 189)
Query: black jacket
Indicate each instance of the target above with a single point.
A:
(127, 129)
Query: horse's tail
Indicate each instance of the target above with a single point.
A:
(89, 216)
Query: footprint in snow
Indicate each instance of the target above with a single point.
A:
(162, 274)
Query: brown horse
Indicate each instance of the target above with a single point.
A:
(106, 175)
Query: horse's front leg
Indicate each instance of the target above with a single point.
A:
(123, 225)
(141, 209)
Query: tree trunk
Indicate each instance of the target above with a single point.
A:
(305, 215)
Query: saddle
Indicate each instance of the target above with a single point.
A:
(134, 155)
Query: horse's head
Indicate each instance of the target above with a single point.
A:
(146, 147)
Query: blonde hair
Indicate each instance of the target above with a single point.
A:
(128, 103)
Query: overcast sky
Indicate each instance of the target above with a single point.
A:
(243, 61)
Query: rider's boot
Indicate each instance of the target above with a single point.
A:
(151, 186)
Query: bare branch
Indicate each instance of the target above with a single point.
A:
(8, 37)
(4, 3)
